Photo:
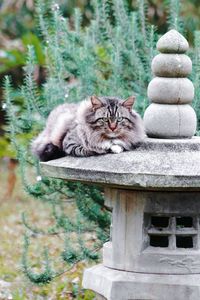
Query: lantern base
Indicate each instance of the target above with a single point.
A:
(112, 284)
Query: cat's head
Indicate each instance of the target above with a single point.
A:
(111, 116)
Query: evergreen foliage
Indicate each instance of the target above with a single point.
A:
(111, 56)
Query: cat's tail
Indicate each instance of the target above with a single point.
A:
(43, 149)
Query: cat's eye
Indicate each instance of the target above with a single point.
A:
(105, 119)
(119, 119)
(100, 121)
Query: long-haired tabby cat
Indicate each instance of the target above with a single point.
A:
(97, 125)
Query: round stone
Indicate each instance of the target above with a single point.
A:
(170, 121)
(172, 42)
(170, 90)
(171, 65)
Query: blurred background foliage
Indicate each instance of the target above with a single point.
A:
(19, 28)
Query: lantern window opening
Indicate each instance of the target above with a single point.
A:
(172, 232)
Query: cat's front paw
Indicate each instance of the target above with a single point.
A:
(116, 149)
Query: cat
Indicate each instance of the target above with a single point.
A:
(97, 125)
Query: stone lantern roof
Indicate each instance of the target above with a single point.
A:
(156, 164)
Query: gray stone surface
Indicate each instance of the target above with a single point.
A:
(171, 65)
(172, 42)
(156, 164)
(170, 90)
(119, 285)
(170, 121)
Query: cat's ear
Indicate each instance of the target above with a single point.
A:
(96, 102)
(128, 103)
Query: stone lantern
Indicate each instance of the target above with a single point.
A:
(154, 193)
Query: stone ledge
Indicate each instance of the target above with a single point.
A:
(156, 164)
(120, 285)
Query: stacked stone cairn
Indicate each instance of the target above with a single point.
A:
(170, 114)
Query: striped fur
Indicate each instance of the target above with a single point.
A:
(97, 125)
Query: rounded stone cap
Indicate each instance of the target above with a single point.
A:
(170, 90)
(171, 65)
(172, 42)
(170, 121)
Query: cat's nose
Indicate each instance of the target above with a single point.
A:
(113, 126)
